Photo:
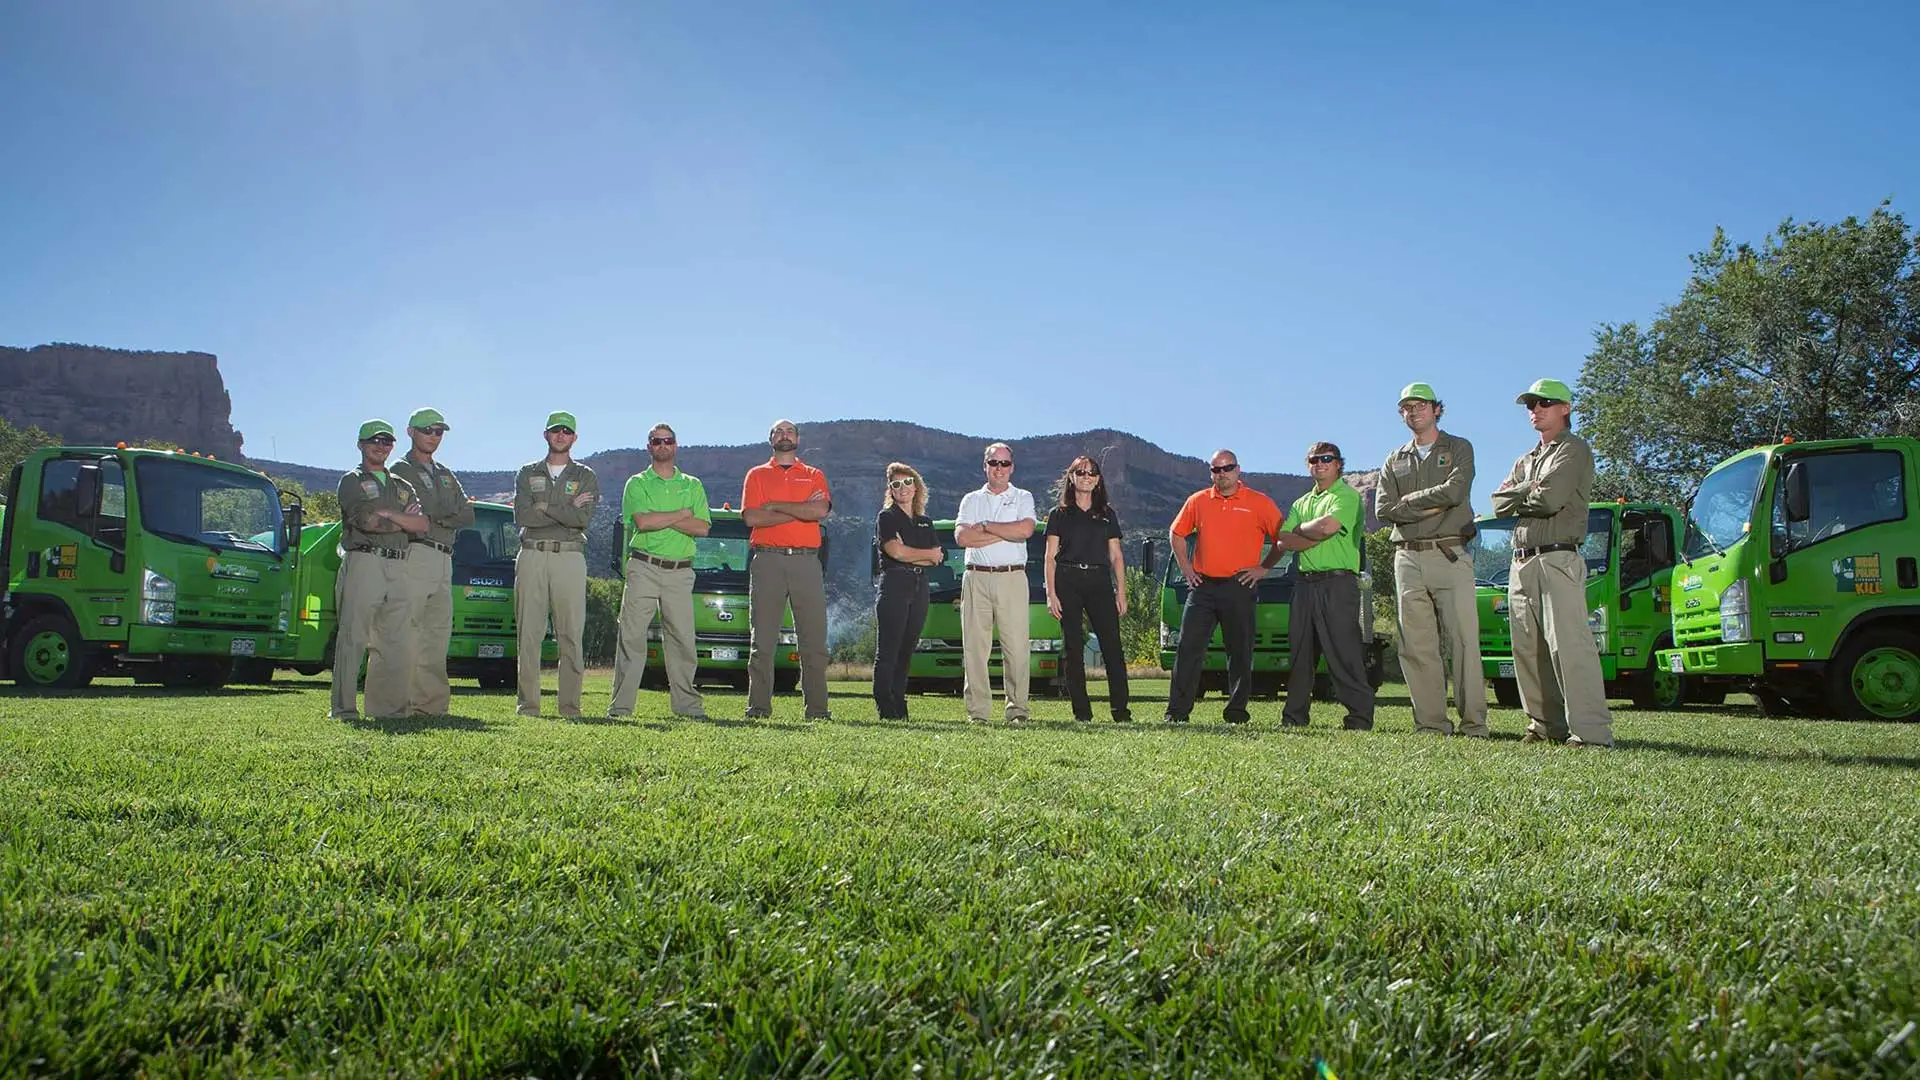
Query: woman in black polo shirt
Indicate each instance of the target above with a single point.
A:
(908, 546)
(1086, 573)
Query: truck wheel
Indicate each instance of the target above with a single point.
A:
(1707, 696)
(1657, 687)
(786, 680)
(1876, 677)
(655, 677)
(198, 673)
(1506, 693)
(498, 677)
(49, 655)
(253, 672)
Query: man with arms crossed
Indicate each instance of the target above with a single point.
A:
(784, 502)
(993, 524)
(664, 509)
(428, 567)
(1323, 617)
(553, 500)
(378, 513)
(1424, 493)
(1554, 657)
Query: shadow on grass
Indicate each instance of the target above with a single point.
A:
(1729, 753)
(414, 725)
(608, 721)
(143, 691)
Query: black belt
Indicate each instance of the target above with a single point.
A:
(1085, 565)
(997, 569)
(766, 549)
(445, 549)
(1322, 575)
(908, 567)
(1521, 554)
(1428, 545)
(661, 563)
(385, 553)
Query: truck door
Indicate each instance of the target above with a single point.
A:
(82, 546)
(1834, 546)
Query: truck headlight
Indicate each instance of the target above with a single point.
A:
(1597, 622)
(1169, 637)
(157, 593)
(789, 637)
(1045, 644)
(1735, 623)
(929, 644)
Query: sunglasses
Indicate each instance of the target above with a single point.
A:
(1000, 463)
(1086, 472)
(561, 430)
(435, 429)
(656, 441)
(902, 482)
(1541, 403)
(381, 440)
(1224, 468)
(1322, 459)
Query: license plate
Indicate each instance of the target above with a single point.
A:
(493, 652)
(726, 652)
(1677, 664)
(243, 646)
(1506, 669)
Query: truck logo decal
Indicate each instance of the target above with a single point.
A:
(723, 615)
(1794, 613)
(109, 620)
(1693, 603)
(1690, 583)
(232, 571)
(495, 582)
(1858, 574)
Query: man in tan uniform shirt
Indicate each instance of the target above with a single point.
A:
(553, 500)
(378, 512)
(1424, 493)
(429, 562)
(1554, 657)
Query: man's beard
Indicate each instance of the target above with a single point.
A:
(785, 446)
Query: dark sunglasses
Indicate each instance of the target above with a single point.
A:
(561, 430)
(900, 482)
(1541, 403)
(435, 429)
(1086, 472)
(381, 440)
(657, 441)
(1000, 463)
(1224, 468)
(1321, 459)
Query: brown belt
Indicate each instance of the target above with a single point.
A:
(996, 569)
(553, 545)
(663, 564)
(1521, 554)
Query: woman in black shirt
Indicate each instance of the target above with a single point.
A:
(908, 546)
(1085, 572)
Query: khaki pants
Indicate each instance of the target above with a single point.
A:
(987, 601)
(1437, 596)
(370, 595)
(651, 589)
(428, 573)
(1554, 657)
(774, 581)
(550, 582)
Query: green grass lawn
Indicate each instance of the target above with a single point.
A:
(231, 883)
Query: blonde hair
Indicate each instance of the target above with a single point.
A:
(901, 468)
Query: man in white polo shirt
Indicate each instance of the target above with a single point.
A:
(993, 524)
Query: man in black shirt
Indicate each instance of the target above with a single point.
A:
(1085, 573)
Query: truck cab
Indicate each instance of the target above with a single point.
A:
(162, 566)
(1629, 550)
(1798, 580)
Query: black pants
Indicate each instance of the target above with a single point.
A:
(900, 610)
(1091, 592)
(1226, 602)
(1324, 619)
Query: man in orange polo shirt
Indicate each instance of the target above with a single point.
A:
(784, 502)
(1234, 524)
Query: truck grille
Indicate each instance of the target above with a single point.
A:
(222, 617)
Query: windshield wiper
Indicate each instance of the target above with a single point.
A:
(183, 538)
(245, 541)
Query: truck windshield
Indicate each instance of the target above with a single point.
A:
(492, 541)
(1722, 506)
(193, 503)
(1493, 547)
(720, 557)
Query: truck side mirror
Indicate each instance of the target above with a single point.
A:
(296, 521)
(1147, 558)
(1797, 496)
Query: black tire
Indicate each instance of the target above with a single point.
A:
(1506, 693)
(1655, 687)
(1876, 676)
(655, 677)
(195, 673)
(49, 654)
(252, 671)
(786, 680)
(1376, 665)
(501, 676)
(1707, 697)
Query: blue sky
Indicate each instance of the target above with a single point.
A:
(1210, 224)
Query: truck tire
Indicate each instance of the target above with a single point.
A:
(48, 654)
(786, 680)
(498, 677)
(195, 673)
(1876, 676)
(1506, 693)
(1656, 687)
(252, 672)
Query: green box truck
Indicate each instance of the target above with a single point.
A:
(163, 566)
(482, 647)
(1629, 550)
(722, 635)
(1798, 580)
(1272, 657)
(939, 662)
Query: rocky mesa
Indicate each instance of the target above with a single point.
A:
(89, 395)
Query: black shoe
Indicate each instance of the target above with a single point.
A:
(1172, 719)
(1087, 719)
(1287, 721)
(1237, 718)
(1123, 717)
(1355, 724)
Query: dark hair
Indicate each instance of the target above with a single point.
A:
(1099, 500)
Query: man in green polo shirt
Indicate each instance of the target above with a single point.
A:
(663, 510)
(1324, 615)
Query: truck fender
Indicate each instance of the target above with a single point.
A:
(1903, 616)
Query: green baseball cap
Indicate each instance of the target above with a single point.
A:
(1418, 391)
(423, 419)
(1545, 390)
(561, 419)
(375, 427)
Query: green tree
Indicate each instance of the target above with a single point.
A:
(1140, 626)
(17, 443)
(1815, 334)
(1380, 562)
